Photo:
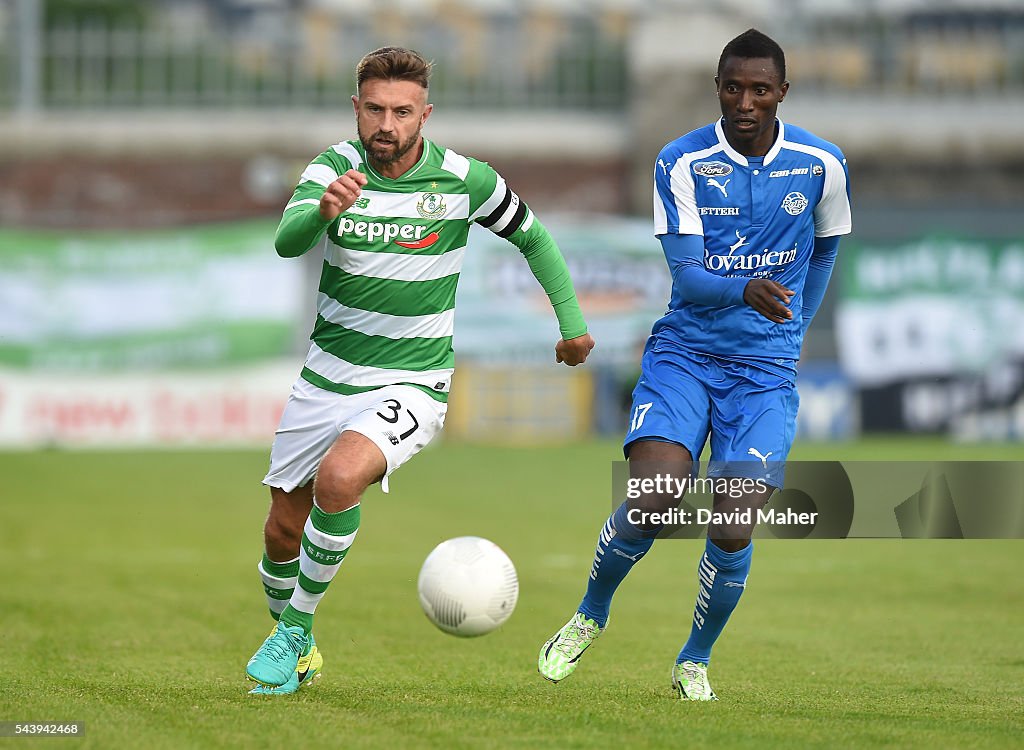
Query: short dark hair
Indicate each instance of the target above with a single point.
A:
(752, 43)
(394, 63)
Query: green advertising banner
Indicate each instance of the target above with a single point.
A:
(99, 301)
(219, 295)
(935, 306)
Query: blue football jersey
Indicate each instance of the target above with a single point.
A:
(758, 217)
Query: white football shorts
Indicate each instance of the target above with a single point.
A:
(399, 419)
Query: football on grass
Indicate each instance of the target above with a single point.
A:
(468, 586)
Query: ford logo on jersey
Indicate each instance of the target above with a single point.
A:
(712, 168)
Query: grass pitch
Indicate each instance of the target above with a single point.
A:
(131, 602)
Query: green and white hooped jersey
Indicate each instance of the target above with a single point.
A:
(386, 301)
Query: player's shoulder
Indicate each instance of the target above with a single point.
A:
(451, 161)
(343, 156)
(696, 141)
(808, 142)
(473, 173)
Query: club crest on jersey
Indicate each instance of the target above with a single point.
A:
(817, 170)
(712, 168)
(431, 206)
(794, 203)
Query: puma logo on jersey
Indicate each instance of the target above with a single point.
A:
(664, 166)
(764, 458)
(712, 182)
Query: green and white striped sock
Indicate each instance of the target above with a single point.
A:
(278, 582)
(325, 542)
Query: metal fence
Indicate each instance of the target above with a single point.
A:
(925, 53)
(504, 60)
(503, 64)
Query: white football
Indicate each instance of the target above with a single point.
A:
(468, 586)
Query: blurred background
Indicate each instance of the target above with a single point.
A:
(147, 149)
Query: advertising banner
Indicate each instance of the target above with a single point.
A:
(620, 276)
(934, 307)
(237, 407)
(105, 301)
(930, 333)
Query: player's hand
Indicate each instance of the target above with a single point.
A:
(574, 351)
(341, 194)
(769, 298)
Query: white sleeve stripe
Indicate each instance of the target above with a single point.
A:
(347, 150)
(529, 221)
(660, 215)
(832, 215)
(833, 231)
(491, 203)
(675, 201)
(303, 202)
(455, 163)
(684, 195)
(321, 174)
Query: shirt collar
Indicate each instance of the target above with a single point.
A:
(739, 158)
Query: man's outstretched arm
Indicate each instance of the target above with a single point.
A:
(548, 266)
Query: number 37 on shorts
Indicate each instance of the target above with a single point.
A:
(393, 414)
(399, 419)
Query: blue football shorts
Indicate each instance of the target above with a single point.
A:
(683, 397)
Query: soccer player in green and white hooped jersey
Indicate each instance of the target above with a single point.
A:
(396, 210)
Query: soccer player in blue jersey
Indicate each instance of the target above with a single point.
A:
(749, 212)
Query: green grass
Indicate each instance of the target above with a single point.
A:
(131, 602)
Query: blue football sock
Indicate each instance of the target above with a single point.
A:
(619, 547)
(722, 577)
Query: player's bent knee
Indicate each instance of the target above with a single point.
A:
(339, 487)
(282, 534)
(352, 464)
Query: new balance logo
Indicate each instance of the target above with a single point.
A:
(712, 182)
(764, 458)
